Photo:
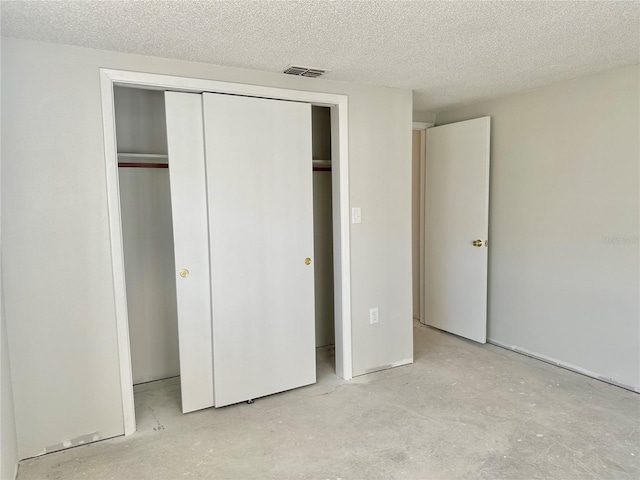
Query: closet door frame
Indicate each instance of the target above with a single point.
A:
(340, 204)
(422, 128)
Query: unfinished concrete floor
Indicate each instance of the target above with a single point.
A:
(462, 410)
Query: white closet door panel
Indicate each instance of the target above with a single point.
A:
(457, 215)
(191, 245)
(261, 231)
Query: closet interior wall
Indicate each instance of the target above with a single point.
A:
(147, 232)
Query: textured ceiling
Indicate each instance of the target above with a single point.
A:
(449, 53)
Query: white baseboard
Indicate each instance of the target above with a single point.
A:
(564, 365)
(406, 361)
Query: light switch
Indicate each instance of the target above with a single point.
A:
(356, 215)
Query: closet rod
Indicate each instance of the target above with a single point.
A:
(166, 165)
(142, 165)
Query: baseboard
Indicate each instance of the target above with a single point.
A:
(406, 361)
(558, 363)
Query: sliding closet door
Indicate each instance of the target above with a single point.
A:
(259, 180)
(191, 244)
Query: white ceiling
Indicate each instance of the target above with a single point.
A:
(449, 53)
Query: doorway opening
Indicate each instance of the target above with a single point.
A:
(147, 238)
(418, 186)
(336, 260)
(323, 240)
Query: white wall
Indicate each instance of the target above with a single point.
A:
(8, 441)
(564, 256)
(8, 437)
(66, 379)
(141, 125)
(429, 117)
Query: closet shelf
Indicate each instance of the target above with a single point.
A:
(321, 165)
(143, 155)
(143, 160)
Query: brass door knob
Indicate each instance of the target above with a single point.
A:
(184, 273)
(307, 261)
(477, 243)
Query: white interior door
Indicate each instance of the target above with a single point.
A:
(191, 245)
(456, 228)
(259, 182)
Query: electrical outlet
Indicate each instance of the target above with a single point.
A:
(373, 315)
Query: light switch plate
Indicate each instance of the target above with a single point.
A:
(356, 215)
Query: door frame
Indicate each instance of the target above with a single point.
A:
(340, 204)
(422, 128)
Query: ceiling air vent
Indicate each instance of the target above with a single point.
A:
(304, 71)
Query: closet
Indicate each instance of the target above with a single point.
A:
(322, 226)
(238, 235)
(147, 232)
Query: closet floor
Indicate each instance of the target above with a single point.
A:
(158, 403)
(462, 410)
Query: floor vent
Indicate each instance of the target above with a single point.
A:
(304, 71)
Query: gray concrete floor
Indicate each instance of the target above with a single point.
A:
(462, 410)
